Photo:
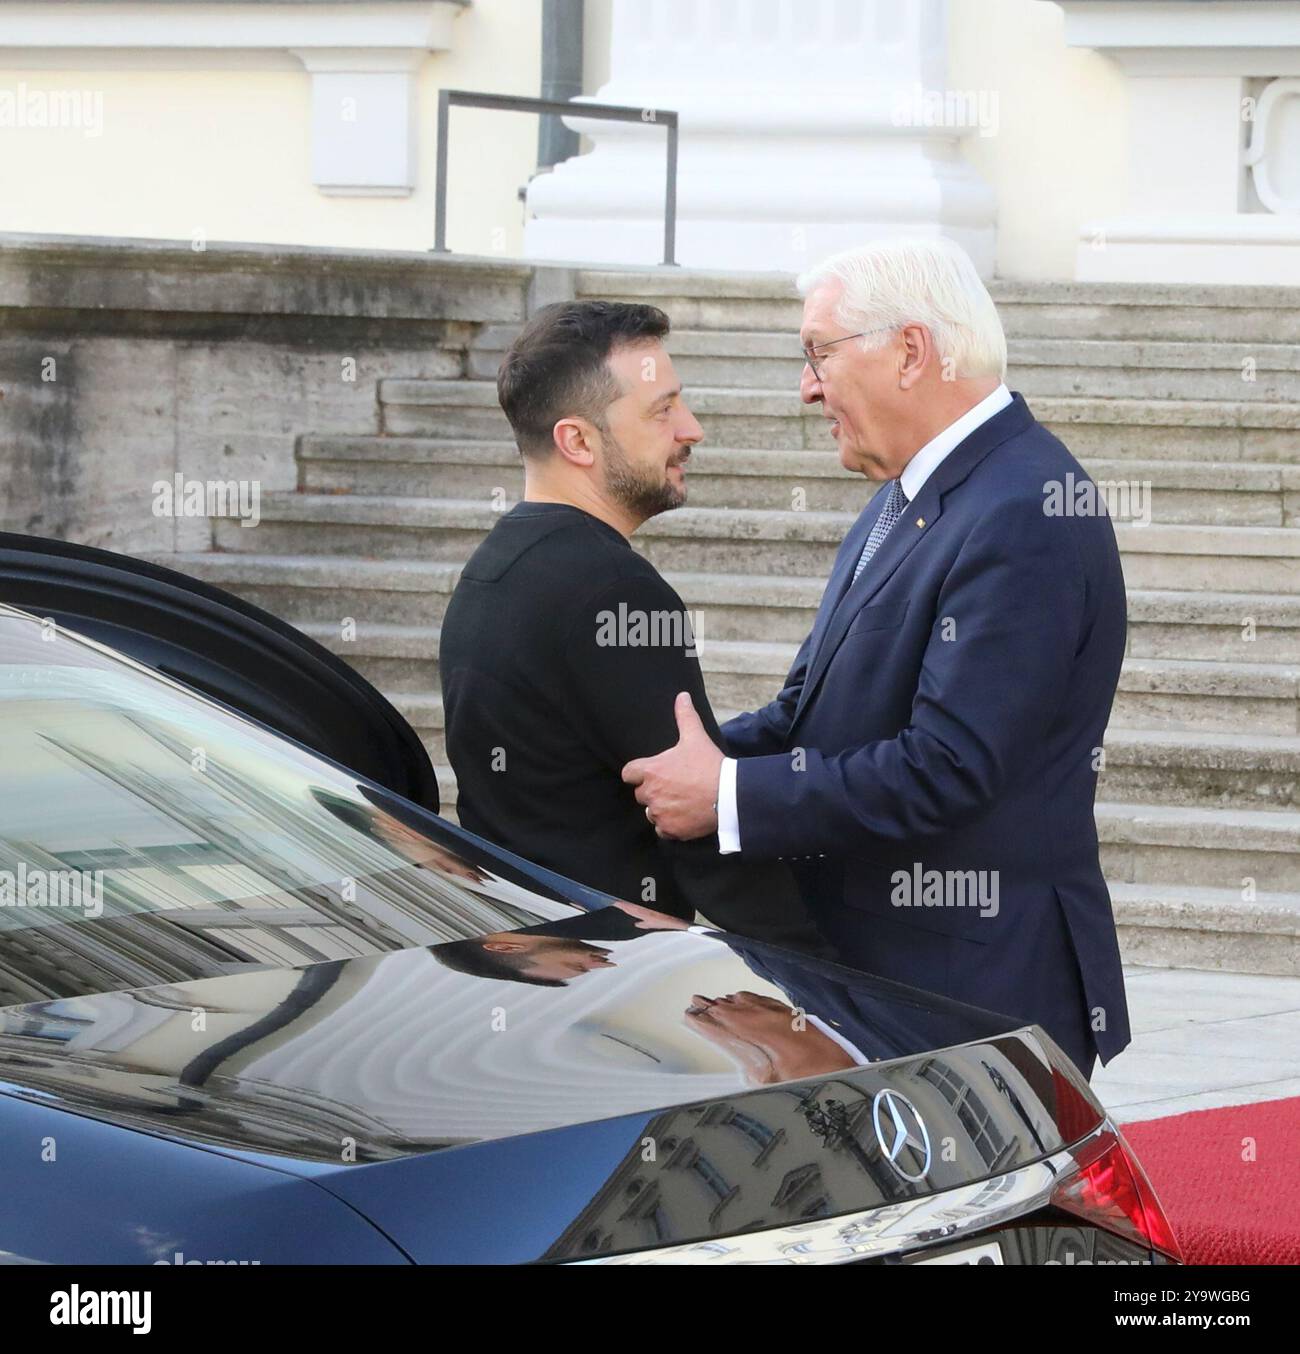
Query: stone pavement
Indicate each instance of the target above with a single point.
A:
(1203, 1040)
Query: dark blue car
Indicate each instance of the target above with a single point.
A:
(259, 1004)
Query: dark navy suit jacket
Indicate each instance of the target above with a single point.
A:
(946, 714)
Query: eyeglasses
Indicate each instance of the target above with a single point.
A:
(809, 349)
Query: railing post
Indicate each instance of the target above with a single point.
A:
(440, 172)
(670, 198)
(560, 108)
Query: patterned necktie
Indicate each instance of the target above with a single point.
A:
(892, 511)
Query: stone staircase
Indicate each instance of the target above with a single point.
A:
(1200, 792)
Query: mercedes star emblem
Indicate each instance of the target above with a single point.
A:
(902, 1135)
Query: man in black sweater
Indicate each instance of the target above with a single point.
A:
(563, 649)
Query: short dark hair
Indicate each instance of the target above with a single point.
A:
(473, 958)
(557, 369)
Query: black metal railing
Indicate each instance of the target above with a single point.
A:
(608, 112)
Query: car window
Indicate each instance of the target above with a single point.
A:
(148, 835)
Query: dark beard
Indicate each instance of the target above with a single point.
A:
(634, 487)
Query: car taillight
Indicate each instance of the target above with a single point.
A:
(1111, 1190)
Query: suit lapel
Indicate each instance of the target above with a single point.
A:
(917, 521)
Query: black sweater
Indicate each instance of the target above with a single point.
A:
(549, 689)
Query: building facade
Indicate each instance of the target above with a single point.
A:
(1093, 139)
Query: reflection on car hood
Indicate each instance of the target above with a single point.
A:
(388, 1056)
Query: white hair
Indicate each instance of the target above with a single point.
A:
(892, 282)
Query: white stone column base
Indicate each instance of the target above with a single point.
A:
(806, 126)
(1246, 248)
(755, 211)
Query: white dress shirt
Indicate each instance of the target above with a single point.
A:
(836, 1037)
(918, 470)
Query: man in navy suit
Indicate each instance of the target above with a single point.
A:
(930, 766)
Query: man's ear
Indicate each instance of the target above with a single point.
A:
(918, 355)
(576, 440)
(503, 946)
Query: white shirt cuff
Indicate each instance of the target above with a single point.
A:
(835, 1036)
(728, 814)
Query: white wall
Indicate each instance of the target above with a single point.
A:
(1059, 155)
(597, 20)
(227, 152)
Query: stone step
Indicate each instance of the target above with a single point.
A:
(1206, 770)
(700, 539)
(750, 358)
(746, 607)
(1213, 696)
(1153, 694)
(423, 711)
(1170, 624)
(1253, 627)
(711, 540)
(398, 659)
(703, 357)
(1144, 311)
(1186, 429)
(469, 409)
(446, 787)
(1205, 493)
(328, 589)
(718, 477)
(1181, 926)
(1177, 430)
(1234, 493)
(1162, 624)
(742, 675)
(1148, 312)
(1233, 627)
(403, 659)
(1266, 372)
(1229, 558)
(1215, 848)
(698, 300)
(1104, 368)
(411, 467)
(373, 527)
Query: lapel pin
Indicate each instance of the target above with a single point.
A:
(920, 521)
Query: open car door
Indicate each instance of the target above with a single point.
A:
(225, 648)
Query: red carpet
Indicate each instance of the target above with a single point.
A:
(1226, 1209)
